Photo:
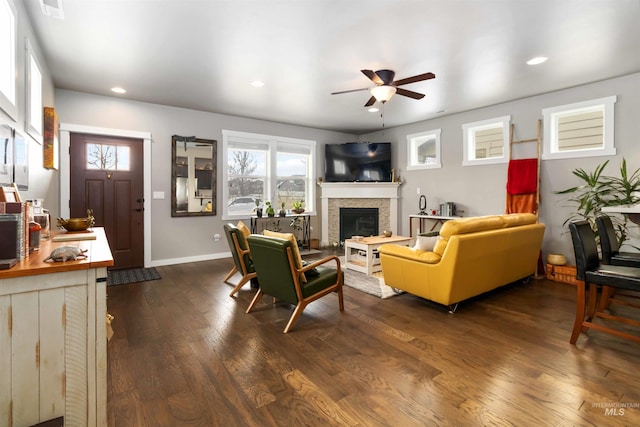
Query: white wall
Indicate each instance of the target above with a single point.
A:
(43, 183)
(189, 238)
(480, 190)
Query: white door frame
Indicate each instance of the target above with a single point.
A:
(65, 172)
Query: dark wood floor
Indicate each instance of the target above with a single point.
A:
(185, 353)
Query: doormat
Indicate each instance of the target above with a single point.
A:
(132, 275)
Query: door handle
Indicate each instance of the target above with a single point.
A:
(141, 207)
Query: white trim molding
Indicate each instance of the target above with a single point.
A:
(65, 172)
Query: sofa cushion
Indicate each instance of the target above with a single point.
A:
(516, 219)
(426, 243)
(471, 225)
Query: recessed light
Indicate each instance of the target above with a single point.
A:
(118, 90)
(257, 83)
(373, 110)
(537, 60)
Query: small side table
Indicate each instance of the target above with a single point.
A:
(437, 220)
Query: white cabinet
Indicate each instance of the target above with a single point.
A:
(53, 344)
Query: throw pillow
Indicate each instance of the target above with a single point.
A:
(426, 243)
(296, 252)
(244, 231)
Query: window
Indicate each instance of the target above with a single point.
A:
(486, 142)
(34, 112)
(583, 129)
(266, 168)
(8, 58)
(424, 150)
(108, 157)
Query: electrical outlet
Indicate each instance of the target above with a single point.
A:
(216, 237)
(418, 191)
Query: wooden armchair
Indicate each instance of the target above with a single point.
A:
(280, 276)
(241, 257)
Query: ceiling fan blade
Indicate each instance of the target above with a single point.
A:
(409, 93)
(370, 102)
(372, 76)
(348, 91)
(418, 78)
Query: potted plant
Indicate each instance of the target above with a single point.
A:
(598, 190)
(282, 212)
(269, 209)
(297, 206)
(258, 209)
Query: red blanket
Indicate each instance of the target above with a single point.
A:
(522, 176)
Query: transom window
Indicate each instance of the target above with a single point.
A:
(34, 112)
(108, 157)
(486, 142)
(8, 58)
(262, 168)
(582, 129)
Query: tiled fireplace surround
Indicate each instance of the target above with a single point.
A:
(336, 195)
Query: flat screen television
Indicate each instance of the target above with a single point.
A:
(358, 162)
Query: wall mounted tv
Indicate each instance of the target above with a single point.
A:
(358, 161)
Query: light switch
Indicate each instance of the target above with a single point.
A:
(158, 195)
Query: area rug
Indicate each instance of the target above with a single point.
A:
(131, 275)
(370, 284)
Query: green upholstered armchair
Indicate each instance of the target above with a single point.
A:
(241, 257)
(280, 277)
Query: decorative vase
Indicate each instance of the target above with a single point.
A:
(259, 212)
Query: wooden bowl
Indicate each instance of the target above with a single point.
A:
(75, 224)
(556, 259)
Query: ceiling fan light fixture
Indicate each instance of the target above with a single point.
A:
(383, 93)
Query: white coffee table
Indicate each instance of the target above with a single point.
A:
(362, 254)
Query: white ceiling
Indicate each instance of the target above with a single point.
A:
(203, 54)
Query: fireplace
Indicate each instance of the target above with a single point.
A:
(358, 222)
(383, 196)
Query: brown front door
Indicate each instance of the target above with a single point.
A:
(107, 177)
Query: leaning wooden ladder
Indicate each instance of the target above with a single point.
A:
(538, 141)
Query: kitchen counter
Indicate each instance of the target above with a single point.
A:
(53, 343)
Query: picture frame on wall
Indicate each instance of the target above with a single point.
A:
(20, 160)
(6, 155)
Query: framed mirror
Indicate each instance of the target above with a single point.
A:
(193, 176)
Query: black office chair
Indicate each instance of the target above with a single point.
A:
(591, 273)
(611, 248)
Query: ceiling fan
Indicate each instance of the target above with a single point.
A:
(386, 87)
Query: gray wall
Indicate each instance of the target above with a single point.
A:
(43, 183)
(480, 190)
(178, 239)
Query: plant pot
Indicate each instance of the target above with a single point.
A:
(297, 211)
(282, 213)
(259, 212)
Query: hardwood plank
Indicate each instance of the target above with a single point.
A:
(185, 353)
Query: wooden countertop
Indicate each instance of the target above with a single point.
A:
(98, 255)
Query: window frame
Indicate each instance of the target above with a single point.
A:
(469, 147)
(552, 114)
(33, 125)
(271, 146)
(412, 140)
(8, 101)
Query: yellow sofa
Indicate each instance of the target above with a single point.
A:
(473, 255)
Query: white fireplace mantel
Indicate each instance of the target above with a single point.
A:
(358, 190)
